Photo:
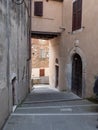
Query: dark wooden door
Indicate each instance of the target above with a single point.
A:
(57, 76)
(77, 75)
(13, 91)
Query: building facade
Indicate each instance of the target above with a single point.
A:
(14, 55)
(46, 18)
(40, 61)
(73, 43)
(78, 47)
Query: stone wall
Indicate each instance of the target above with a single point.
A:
(84, 42)
(54, 48)
(13, 55)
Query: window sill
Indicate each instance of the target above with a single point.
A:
(77, 31)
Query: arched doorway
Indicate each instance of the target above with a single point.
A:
(56, 73)
(77, 74)
(14, 93)
(56, 76)
(13, 90)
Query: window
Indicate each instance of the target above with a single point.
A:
(77, 15)
(44, 54)
(38, 8)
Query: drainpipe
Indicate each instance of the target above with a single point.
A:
(29, 26)
(29, 45)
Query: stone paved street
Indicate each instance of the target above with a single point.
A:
(46, 108)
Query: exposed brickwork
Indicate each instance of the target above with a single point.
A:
(40, 60)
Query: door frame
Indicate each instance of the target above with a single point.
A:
(76, 85)
(68, 79)
(56, 76)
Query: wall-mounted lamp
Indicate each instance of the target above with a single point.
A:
(18, 2)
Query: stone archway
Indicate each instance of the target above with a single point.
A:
(73, 51)
(56, 73)
(14, 91)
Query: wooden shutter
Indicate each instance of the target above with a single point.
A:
(42, 72)
(77, 15)
(38, 8)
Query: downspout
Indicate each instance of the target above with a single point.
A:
(29, 44)
(30, 21)
(29, 31)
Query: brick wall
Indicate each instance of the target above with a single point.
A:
(40, 53)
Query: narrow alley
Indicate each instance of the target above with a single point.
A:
(51, 42)
(46, 108)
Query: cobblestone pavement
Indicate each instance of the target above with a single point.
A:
(46, 108)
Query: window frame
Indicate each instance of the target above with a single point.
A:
(77, 15)
(38, 8)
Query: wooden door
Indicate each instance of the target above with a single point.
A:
(77, 75)
(57, 76)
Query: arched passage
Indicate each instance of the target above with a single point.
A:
(76, 74)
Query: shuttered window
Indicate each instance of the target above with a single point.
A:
(42, 72)
(38, 8)
(77, 15)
